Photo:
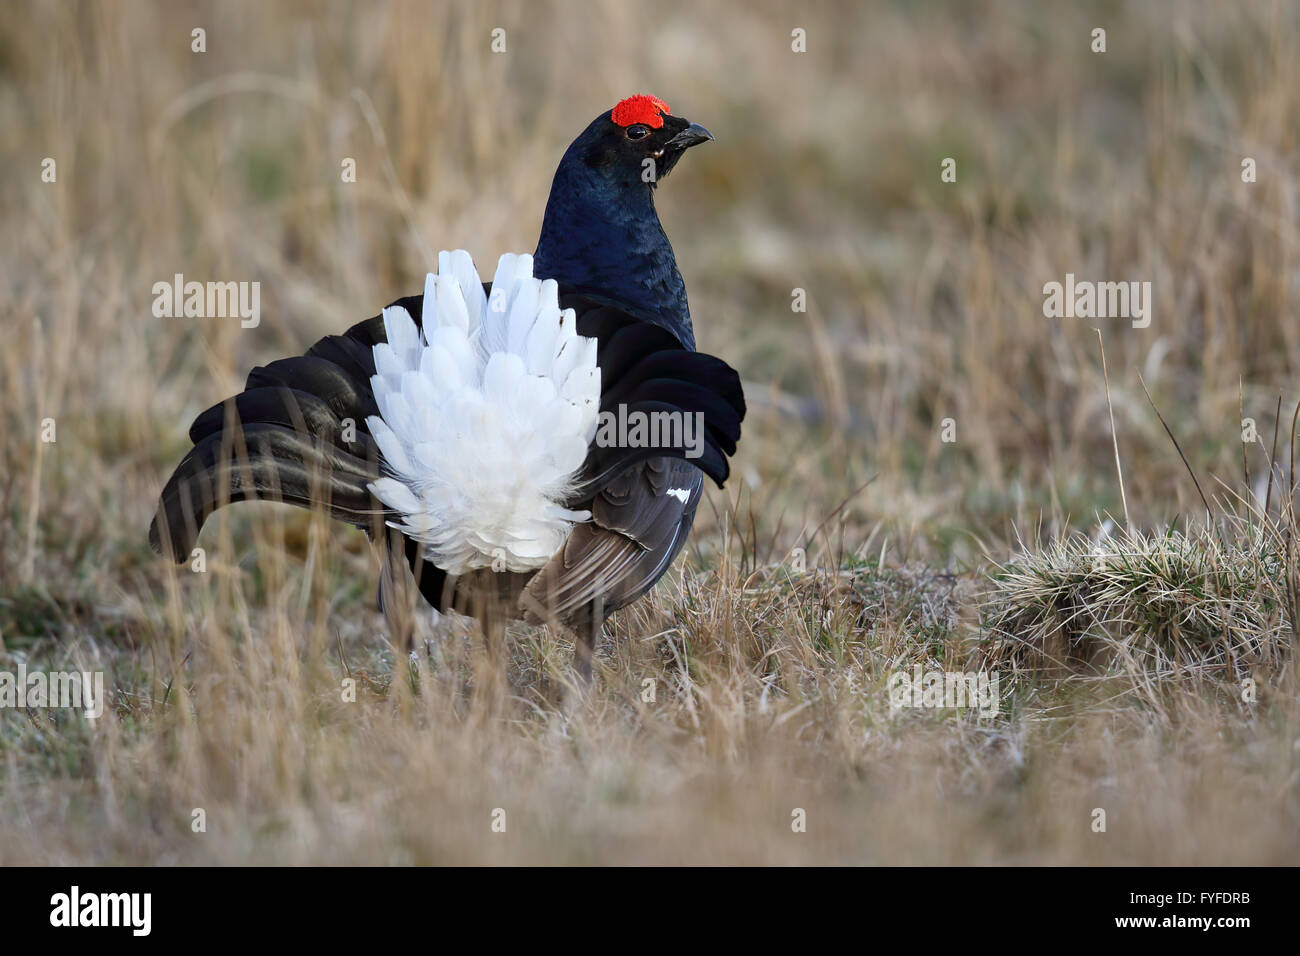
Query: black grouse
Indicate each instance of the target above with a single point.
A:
(533, 447)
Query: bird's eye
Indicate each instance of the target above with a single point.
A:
(638, 131)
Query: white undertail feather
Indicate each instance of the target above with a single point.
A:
(484, 417)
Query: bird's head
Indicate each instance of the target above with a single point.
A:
(601, 234)
(638, 141)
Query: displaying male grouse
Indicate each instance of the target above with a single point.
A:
(464, 429)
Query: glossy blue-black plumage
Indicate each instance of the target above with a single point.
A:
(601, 234)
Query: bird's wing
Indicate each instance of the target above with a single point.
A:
(644, 369)
(640, 520)
(642, 499)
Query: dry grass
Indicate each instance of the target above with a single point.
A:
(1122, 658)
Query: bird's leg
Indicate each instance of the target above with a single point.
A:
(587, 638)
(397, 593)
(583, 650)
(494, 638)
(397, 597)
(492, 624)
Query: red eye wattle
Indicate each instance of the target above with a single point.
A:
(640, 109)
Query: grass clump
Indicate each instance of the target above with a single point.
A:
(1163, 605)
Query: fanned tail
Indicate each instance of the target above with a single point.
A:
(298, 433)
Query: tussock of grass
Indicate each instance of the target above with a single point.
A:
(1163, 605)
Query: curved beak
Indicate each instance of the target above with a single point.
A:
(693, 135)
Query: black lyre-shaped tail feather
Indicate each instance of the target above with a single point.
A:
(296, 434)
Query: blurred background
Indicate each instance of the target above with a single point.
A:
(924, 298)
